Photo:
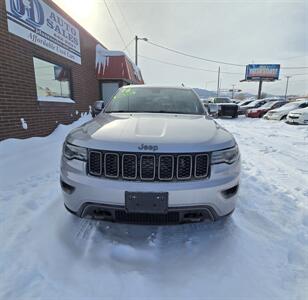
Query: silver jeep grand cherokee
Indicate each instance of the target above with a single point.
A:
(153, 156)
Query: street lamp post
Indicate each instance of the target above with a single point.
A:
(136, 47)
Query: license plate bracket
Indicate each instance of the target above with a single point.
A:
(146, 202)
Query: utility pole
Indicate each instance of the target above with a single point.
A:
(233, 86)
(287, 85)
(136, 47)
(218, 81)
(136, 50)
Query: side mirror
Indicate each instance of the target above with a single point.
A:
(99, 105)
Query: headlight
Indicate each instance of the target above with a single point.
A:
(74, 152)
(228, 156)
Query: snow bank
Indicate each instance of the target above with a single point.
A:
(259, 253)
(21, 159)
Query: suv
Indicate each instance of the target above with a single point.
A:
(153, 156)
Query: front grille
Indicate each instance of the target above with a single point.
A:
(293, 117)
(144, 218)
(201, 165)
(129, 166)
(111, 165)
(95, 163)
(148, 167)
(165, 167)
(184, 167)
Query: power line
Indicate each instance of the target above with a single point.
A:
(127, 45)
(294, 57)
(114, 23)
(209, 60)
(290, 68)
(187, 67)
(303, 74)
(124, 18)
(193, 56)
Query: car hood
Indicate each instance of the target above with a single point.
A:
(257, 109)
(170, 133)
(247, 106)
(282, 110)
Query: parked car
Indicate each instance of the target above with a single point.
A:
(262, 110)
(225, 106)
(97, 108)
(153, 156)
(256, 104)
(298, 116)
(244, 103)
(282, 112)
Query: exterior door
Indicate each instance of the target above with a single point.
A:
(108, 90)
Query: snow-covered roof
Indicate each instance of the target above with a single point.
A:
(116, 65)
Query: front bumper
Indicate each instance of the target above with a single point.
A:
(300, 120)
(93, 197)
(273, 117)
(253, 114)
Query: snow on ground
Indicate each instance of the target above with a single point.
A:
(259, 253)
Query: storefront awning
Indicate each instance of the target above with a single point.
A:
(115, 65)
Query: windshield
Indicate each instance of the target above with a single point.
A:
(254, 103)
(156, 100)
(245, 102)
(222, 100)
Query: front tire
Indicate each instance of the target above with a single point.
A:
(283, 118)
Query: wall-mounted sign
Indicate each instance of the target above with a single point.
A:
(262, 71)
(38, 23)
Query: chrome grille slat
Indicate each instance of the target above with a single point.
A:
(149, 167)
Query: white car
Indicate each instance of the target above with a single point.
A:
(298, 116)
(282, 112)
(153, 156)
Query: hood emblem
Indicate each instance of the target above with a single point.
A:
(148, 147)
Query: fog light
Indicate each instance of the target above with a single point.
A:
(66, 187)
(230, 192)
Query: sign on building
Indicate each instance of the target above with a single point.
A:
(38, 23)
(262, 71)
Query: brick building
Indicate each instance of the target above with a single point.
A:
(51, 69)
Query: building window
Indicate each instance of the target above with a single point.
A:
(52, 82)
